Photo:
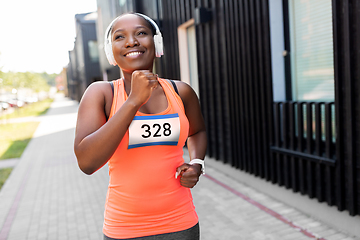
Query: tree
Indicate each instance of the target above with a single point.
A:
(33, 81)
(50, 78)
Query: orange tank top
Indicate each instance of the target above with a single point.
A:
(144, 198)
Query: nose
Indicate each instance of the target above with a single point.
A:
(132, 41)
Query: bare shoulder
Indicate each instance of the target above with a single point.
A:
(97, 99)
(192, 107)
(186, 92)
(99, 88)
(93, 110)
(99, 92)
(182, 85)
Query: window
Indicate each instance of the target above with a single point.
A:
(311, 38)
(312, 57)
(187, 54)
(93, 51)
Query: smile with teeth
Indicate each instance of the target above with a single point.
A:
(133, 54)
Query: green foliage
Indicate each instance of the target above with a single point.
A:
(4, 174)
(50, 78)
(35, 81)
(15, 137)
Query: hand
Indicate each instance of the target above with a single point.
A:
(143, 82)
(189, 174)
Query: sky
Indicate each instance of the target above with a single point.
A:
(36, 35)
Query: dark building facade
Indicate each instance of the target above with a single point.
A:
(83, 67)
(262, 114)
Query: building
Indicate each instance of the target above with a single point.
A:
(61, 82)
(279, 87)
(83, 68)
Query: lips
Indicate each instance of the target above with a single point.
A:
(133, 54)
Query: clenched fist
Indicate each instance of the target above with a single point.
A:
(189, 174)
(143, 82)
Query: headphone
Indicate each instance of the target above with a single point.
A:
(158, 40)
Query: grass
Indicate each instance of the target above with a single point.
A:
(14, 138)
(4, 174)
(33, 109)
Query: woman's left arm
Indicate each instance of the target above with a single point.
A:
(196, 142)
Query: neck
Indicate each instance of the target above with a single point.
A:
(127, 76)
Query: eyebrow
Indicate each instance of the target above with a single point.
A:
(137, 27)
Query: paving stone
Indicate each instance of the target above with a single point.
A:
(337, 236)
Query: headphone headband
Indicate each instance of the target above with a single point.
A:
(158, 40)
(152, 22)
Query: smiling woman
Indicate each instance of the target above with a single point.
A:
(138, 125)
(132, 44)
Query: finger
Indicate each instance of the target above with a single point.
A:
(141, 71)
(181, 169)
(145, 73)
(187, 183)
(153, 82)
(150, 76)
(191, 179)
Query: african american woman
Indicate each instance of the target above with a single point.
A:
(139, 125)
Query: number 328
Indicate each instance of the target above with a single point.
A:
(156, 130)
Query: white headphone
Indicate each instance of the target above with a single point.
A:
(158, 40)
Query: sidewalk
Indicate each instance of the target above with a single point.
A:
(9, 163)
(48, 197)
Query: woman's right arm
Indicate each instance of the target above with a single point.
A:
(95, 139)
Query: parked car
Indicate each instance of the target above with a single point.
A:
(16, 103)
(12, 103)
(4, 105)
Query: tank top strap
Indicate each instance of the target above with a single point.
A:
(173, 97)
(118, 98)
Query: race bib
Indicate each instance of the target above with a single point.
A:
(154, 130)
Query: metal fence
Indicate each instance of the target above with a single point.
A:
(304, 153)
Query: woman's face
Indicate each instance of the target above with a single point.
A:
(133, 43)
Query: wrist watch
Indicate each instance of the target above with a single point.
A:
(199, 161)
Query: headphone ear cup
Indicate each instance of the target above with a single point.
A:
(107, 44)
(159, 47)
(109, 54)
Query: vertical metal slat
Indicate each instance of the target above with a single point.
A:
(318, 151)
(285, 134)
(292, 142)
(300, 147)
(329, 171)
(275, 167)
(309, 147)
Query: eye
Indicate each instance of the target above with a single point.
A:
(119, 36)
(142, 33)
